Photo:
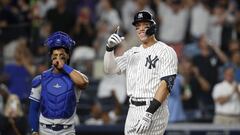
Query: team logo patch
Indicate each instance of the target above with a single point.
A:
(140, 15)
(151, 63)
(57, 86)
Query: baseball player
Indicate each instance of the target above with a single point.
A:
(53, 94)
(150, 72)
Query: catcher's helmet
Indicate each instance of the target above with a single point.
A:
(59, 39)
(143, 16)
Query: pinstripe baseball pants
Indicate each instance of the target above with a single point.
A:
(159, 120)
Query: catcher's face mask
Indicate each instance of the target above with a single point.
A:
(60, 40)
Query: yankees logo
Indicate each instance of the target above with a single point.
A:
(140, 15)
(151, 62)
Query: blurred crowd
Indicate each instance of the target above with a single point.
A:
(204, 33)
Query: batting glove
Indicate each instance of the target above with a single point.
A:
(144, 124)
(114, 40)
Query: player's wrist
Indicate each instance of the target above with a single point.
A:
(67, 69)
(109, 49)
(154, 105)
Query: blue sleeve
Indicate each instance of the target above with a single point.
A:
(33, 116)
(36, 81)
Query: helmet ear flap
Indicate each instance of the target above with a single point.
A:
(152, 29)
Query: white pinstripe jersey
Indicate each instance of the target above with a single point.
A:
(144, 68)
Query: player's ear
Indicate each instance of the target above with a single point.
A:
(68, 56)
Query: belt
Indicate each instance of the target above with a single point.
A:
(55, 127)
(138, 103)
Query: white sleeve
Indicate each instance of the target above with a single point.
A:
(169, 63)
(122, 61)
(114, 64)
(110, 64)
(36, 93)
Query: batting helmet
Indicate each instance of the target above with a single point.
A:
(59, 39)
(143, 16)
(146, 16)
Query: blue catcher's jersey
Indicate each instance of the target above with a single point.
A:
(58, 99)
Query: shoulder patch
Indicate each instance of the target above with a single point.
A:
(36, 81)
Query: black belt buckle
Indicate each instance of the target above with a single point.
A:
(138, 103)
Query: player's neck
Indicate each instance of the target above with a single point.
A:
(149, 42)
(56, 71)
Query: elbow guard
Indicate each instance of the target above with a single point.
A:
(170, 81)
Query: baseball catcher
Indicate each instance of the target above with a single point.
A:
(53, 98)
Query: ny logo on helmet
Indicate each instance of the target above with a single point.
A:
(140, 15)
(151, 62)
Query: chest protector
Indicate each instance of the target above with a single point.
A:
(58, 99)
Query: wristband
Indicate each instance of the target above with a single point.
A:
(67, 68)
(154, 105)
(109, 49)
